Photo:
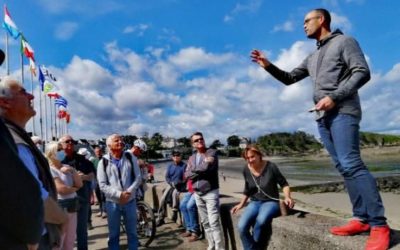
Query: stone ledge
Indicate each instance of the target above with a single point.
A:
(300, 230)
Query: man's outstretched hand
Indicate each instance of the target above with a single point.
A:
(259, 58)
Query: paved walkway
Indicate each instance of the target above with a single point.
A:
(167, 236)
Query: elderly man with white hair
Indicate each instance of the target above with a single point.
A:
(16, 110)
(119, 177)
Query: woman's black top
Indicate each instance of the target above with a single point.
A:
(268, 181)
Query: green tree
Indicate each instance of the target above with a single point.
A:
(185, 142)
(233, 141)
(216, 144)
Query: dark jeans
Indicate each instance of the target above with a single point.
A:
(340, 135)
(81, 229)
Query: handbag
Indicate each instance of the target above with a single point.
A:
(283, 207)
(71, 205)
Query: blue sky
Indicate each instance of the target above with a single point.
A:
(178, 66)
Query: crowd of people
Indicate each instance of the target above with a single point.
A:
(50, 205)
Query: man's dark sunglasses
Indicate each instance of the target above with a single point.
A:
(69, 142)
(199, 139)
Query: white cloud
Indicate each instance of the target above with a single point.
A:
(287, 26)
(292, 57)
(250, 6)
(192, 58)
(340, 22)
(394, 74)
(65, 30)
(242, 99)
(138, 29)
(139, 96)
(84, 7)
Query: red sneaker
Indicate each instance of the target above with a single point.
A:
(379, 238)
(351, 228)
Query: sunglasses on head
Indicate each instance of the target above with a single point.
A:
(198, 139)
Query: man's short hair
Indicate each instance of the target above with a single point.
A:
(111, 138)
(6, 84)
(196, 133)
(325, 13)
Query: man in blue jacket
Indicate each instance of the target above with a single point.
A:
(174, 178)
(338, 69)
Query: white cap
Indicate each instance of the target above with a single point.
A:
(140, 144)
(84, 152)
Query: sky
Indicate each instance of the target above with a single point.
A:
(180, 66)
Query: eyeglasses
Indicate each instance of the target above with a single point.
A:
(311, 18)
(69, 141)
(199, 139)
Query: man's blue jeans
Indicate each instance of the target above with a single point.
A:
(340, 136)
(257, 215)
(189, 212)
(114, 213)
(81, 228)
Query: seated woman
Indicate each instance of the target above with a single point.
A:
(261, 186)
(67, 182)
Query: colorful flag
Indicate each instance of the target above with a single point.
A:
(61, 101)
(32, 66)
(41, 79)
(26, 49)
(53, 95)
(68, 118)
(62, 114)
(9, 24)
(47, 74)
(46, 79)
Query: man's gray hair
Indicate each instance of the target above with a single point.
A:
(6, 84)
(62, 138)
(111, 138)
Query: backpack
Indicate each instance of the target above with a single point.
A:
(105, 164)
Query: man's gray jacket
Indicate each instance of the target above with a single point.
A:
(113, 179)
(337, 68)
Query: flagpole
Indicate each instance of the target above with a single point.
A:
(41, 114)
(22, 69)
(51, 117)
(55, 118)
(7, 57)
(33, 104)
(45, 117)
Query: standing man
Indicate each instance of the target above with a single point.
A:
(338, 69)
(16, 109)
(98, 153)
(202, 169)
(138, 148)
(86, 171)
(22, 219)
(119, 177)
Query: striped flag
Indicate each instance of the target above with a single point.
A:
(26, 49)
(53, 95)
(61, 101)
(9, 24)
